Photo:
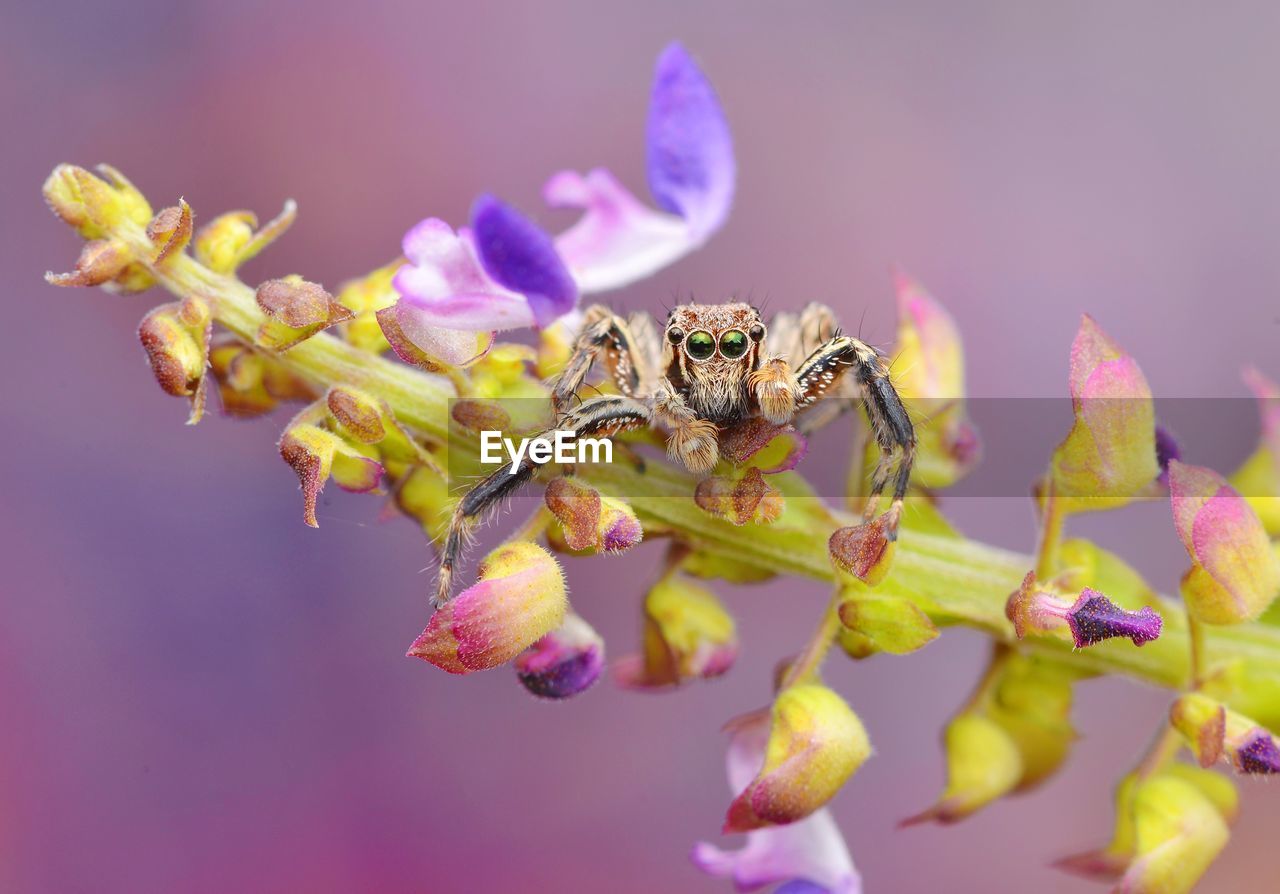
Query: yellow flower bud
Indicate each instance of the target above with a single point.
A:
(1179, 832)
(893, 624)
(983, 763)
(230, 239)
(83, 201)
(365, 297)
(100, 261)
(133, 203)
(316, 454)
(176, 339)
(687, 635)
(252, 383)
(297, 310)
(816, 743)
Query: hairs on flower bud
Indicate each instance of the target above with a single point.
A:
(519, 598)
(564, 663)
(1235, 572)
(1091, 618)
(816, 743)
(230, 239)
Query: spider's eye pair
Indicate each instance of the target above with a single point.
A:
(701, 344)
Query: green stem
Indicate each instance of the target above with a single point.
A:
(959, 581)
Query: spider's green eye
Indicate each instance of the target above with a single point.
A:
(733, 344)
(700, 345)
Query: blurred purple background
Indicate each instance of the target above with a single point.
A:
(199, 694)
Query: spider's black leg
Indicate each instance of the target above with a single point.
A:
(603, 416)
(888, 417)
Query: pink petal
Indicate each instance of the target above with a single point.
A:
(618, 240)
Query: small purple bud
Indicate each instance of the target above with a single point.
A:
(563, 663)
(1095, 618)
(1258, 755)
(1166, 449)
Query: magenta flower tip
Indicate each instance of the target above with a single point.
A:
(1095, 618)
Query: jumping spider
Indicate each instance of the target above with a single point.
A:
(715, 367)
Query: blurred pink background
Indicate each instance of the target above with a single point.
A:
(202, 695)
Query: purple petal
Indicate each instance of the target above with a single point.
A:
(801, 886)
(1095, 618)
(1259, 755)
(563, 663)
(1167, 449)
(618, 240)
(518, 255)
(691, 165)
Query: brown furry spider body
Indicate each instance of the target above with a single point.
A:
(715, 366)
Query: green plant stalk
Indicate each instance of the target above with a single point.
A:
(958, 581)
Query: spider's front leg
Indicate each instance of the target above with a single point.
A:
(888, 417)
(600, 416)
(691, 441)
(606, 336)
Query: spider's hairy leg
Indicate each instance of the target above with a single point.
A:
(774, 388)
(888, 417)
(606, 336)
(600, 416)
(691, 441)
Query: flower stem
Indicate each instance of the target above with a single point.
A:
(808, 661)
(958, 580)
(1051, 525)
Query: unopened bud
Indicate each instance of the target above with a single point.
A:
(518, 599)
(176, 339)
(316, 454)
(816, 743)
(565, 662)
(740, 500)
(170, 230)
(83, 201)
(100, 261)
(688, 635)
(892, 623)
(297, 310)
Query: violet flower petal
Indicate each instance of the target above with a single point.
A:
(521, 257)
(1095, 618)
(690, 159)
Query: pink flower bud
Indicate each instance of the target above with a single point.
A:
(519, 598)
(1235, 573)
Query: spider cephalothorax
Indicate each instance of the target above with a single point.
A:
(713, 367)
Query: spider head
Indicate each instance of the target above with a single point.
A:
(714, 347)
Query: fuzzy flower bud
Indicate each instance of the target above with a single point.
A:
(1235, 573)
(170, 230)
(591, 521)
(251, 382)
(1091, 618)
(816, 743)
(1168, 828)
(176, 339)
(83, 201)
(687, 636)
(297, 310)
(423, 494)
(519, 598)
(893, 624)
(316, 454)
(1109, 457)
(983, 764)
(866, 550)
(230, 239)
(1214, 731)
(100, 262)
(929, 376)
(748, 498)
(565, 662)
